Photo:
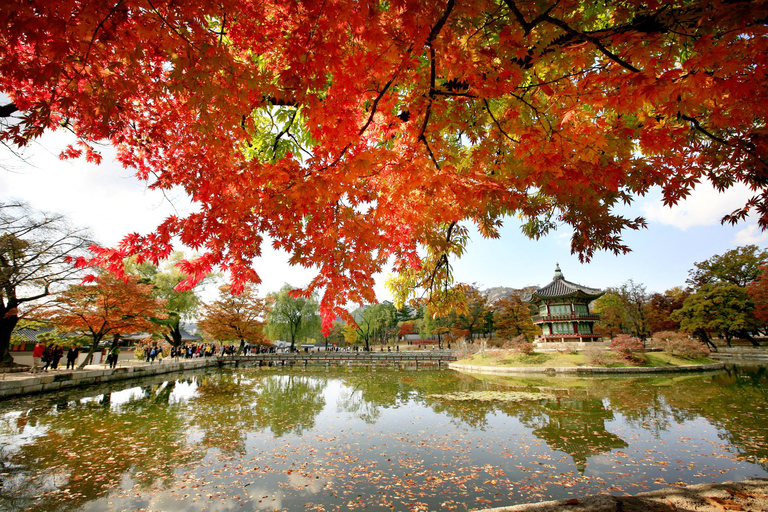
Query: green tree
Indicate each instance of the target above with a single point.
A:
(470, 318)
(179, 305)
(292, 316)
(635, 300)
(738, 266)
(716, 308)
(375, 322)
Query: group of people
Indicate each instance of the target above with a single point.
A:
(48, 357)
(152, 352)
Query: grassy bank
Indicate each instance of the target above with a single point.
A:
(567, 360)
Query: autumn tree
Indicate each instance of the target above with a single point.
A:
(291, 315)
(758, 293)
(238, 317)
(358, 133)
(107, 306)
(613, 316)
(37, 251)
(512, 317)
(738, 266)
(659, 308)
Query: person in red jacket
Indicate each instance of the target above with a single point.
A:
(37, 356)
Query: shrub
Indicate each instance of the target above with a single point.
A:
(629, 348)
(520, 344)
(596, 356)
(678, 344)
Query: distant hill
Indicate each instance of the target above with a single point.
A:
(499, 292)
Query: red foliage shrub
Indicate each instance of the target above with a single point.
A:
(679, 344)
(629, 348)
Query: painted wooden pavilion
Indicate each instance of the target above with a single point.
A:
(563, 311)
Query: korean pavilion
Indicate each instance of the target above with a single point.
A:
(564, 314)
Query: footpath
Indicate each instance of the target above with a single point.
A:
(25, 383)
(749, 495)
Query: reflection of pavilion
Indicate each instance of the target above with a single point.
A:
(577, 427)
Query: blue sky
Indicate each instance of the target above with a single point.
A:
(113, 203)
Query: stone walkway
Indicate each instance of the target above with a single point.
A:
(24, 383)
(749, 495)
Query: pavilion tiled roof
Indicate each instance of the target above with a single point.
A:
(559, 287)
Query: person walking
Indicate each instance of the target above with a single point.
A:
(72, 354)
(56, 354)
(37, 357)
(114, 355)
(47, 357)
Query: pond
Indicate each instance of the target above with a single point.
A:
(270, 439)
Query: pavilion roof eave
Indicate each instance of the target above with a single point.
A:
(576, 293)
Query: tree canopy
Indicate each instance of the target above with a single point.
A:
(238, 317)
(108, 306)
(353, 133)
(37, 250)
(739, 266)
(291, 316)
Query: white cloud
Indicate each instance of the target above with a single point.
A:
(704, 207)
(752, 234)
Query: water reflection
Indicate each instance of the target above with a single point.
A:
(250, 439)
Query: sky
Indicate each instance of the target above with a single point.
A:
(112, 203)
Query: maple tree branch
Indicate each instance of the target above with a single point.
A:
(498, 125)
(173, 28)
(528, 26)
(594, 40)
(697, 126)
(376, 103)
(284, 131)
(95, 32)
(432, 76)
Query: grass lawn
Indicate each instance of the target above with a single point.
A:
(561, 360)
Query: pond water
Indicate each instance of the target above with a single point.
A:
(266, 439)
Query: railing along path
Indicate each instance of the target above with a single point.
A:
(345, 358)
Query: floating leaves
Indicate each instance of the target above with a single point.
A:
(493, 396)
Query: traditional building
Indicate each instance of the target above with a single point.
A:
(563, 310)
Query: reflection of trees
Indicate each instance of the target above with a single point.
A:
(289, 403)
(87, 447)
(230, 404)
(368, 392)
(577, 427)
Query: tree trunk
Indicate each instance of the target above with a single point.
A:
(743, 333)
(8, 322)
(96, 339)
(704, 337)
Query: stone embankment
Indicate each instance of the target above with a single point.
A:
(583, 370)
(742, 355)
(749, 495)
(25, 383)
